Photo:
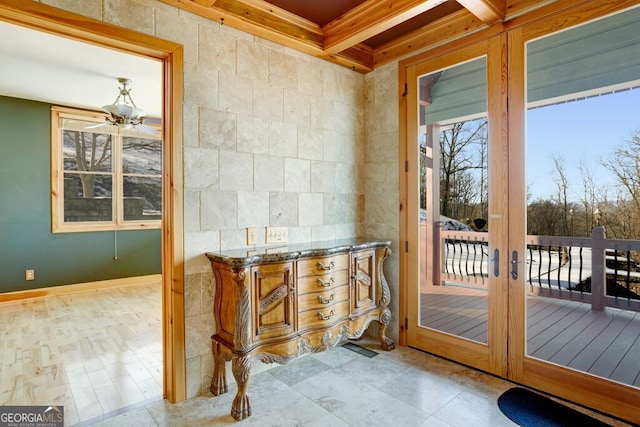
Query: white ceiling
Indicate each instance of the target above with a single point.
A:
(52, 69)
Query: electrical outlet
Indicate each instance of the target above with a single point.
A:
(277, 235)
(251, 236)
(30, 275)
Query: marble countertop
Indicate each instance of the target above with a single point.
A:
(285, 252)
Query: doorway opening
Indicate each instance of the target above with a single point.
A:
(45, 18)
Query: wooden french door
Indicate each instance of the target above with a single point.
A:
(455, 127)
(465, 264)
(577, 362)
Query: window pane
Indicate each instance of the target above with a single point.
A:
(453, 142)
(87, 197)
(582, 179)
(142, 198)
(141, 156)
(582, 128)
(86, 151)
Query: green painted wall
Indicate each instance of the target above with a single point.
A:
(26, 241)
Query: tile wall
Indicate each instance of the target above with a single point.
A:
(274, 137)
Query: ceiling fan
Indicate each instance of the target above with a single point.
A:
(124, 113)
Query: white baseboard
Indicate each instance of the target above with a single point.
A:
(80, 287)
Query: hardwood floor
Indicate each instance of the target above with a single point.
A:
(568, 333)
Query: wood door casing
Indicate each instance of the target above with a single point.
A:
(506, 355)
(485, 356)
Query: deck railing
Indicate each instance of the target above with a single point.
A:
(594, 270)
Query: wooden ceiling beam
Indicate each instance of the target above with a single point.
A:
(369, 19)
(278, 25)
(205, 3)
(451, 27)
(250, 16)
(488, 11)
(269, 21)
(359, 58)
(341, 41)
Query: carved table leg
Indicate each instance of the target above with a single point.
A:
(385, 318)
(219, 380)
(241, 408)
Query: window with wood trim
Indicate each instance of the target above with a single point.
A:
(103, 177)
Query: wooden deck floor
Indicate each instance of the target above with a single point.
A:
(568, 333)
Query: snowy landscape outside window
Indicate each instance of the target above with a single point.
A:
(103, 177)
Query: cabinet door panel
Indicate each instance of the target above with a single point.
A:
(363, 279)
(274, 302)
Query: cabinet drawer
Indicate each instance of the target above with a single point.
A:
(322, 265)
(323, 299)
(323, 316)
(321, 282)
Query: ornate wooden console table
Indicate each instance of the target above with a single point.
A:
(277, 304)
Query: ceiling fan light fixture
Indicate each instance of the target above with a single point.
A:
(123, 112)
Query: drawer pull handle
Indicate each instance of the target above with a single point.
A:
(325, 284)
(323, 317)
(325, 301)
(329, 267)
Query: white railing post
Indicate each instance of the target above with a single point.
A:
(598, 268)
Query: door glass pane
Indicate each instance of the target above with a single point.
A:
(453, 200)
(583, 204)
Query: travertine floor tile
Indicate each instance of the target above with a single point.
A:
(101, 358)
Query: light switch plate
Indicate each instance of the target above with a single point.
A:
(251, 236)
(277, 235)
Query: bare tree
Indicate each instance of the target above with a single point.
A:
(623, 217)
(624, 164)
(462, 150)
(92, 152)
(562, 185)
(588, 198)
(545, 218)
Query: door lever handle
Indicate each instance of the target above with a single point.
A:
(514, 265)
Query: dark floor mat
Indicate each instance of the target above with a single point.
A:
(529, 409)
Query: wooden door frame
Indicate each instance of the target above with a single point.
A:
(45, 18)
(489, 357)
(600, 394)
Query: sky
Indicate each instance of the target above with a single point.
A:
(587, 130)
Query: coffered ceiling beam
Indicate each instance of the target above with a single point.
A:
(452, 27)
(251, 16)
(205, 3)
(358, 58)
(369, 19)
(278, 25)
(488, 11)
